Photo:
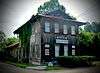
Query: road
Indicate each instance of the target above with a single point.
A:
(6, 68)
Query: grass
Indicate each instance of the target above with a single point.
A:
(54, 68)
(24, 65)
(21, 65)
(97, 63)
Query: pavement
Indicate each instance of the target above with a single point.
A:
(7, 68)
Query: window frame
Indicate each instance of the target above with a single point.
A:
(73, 30)
(56, 28)
(47, 27)
(65, 29)
(73, 50)
(57, 53)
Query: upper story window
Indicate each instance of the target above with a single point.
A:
(56, 28)
(47, 27)
(72, 29)
(65, 30)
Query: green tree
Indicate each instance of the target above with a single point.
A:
(50, 6)
(96, 44)
(85, 38)
(11, 40)
(2, 40)
(93, 27)
(84, 43)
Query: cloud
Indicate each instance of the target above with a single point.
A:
(14, 13)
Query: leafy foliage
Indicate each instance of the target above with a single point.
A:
(50, 6)
(11, 40)
(96, 44)
(2, 40)
(75, 61)
(85, 38)
(89, 40)
(93, 27)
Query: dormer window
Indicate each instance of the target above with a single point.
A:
(56, 28)
(47, 27)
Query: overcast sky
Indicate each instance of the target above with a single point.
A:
(14, 13)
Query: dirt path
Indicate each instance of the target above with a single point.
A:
(6, 68)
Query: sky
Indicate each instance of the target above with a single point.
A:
(14, 13)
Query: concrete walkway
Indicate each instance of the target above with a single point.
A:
(6, 68)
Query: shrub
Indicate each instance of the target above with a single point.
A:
(75, 61)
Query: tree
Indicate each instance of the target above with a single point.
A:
(85, 38)
(93, 27)
(50, 6)
(96, 44)
(84, 43)
(2, 40)
(11, 40)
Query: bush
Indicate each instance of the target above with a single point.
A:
(75, 61)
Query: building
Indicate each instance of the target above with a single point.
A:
(45, 37)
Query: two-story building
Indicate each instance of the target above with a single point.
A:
(48, 36)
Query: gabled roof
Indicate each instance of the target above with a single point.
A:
(60, 18)
(13, 46)
(53, 15)
(59, 13)
(28, 22)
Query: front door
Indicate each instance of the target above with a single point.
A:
(65, 50)
(61, 50)
(57, 47)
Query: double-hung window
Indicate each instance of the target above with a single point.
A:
(72, 29)
(56, 28)
(47, 27)
(65, 30)
(73, 49)
(47, 51)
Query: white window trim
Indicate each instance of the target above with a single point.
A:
(47, 52)
(73, 31)
(47, 45)
(56, 27)
(73, 46)
(47, 27)
(73, 52)
(65, 50)
(65, 30)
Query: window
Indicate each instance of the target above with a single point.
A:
(72, 29)
(46, 51)
(65, 29)
(47, 45)
(47, 27)
(73, 49)
(62, 41)
(56, 28)
(65, 50)
(56, 50)
(73, 46)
